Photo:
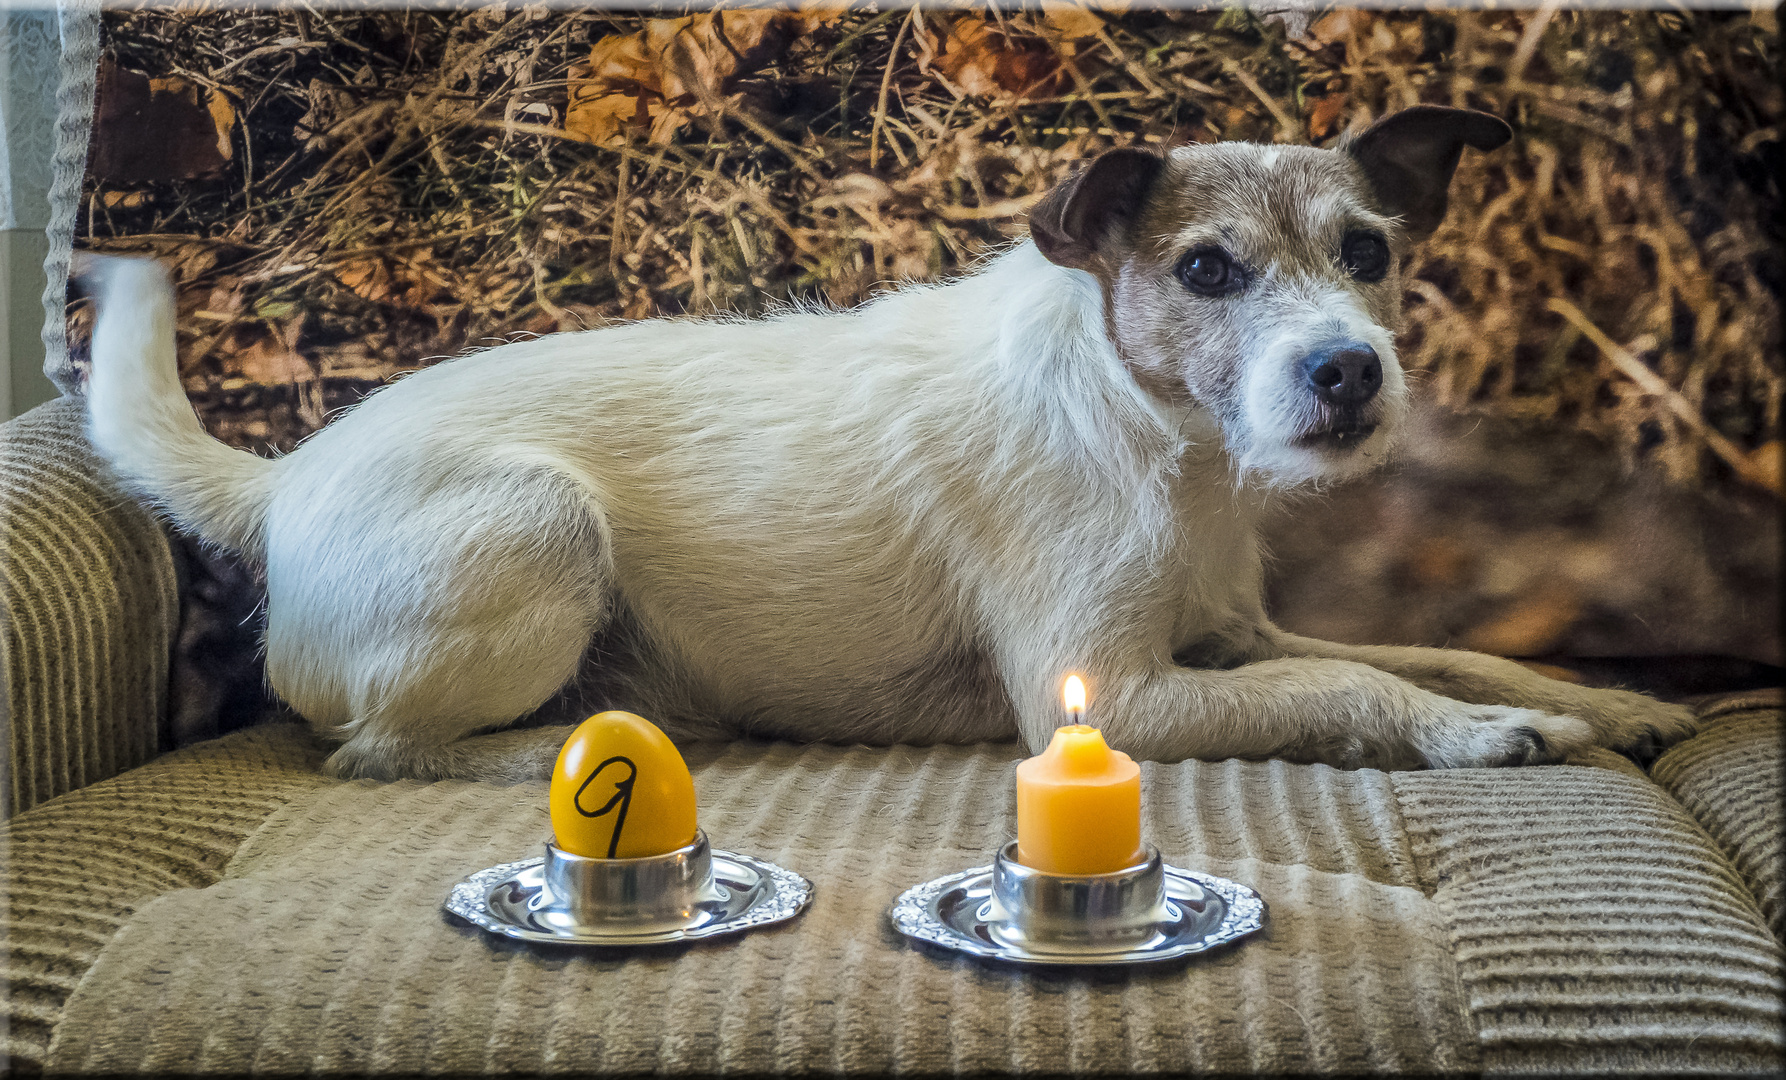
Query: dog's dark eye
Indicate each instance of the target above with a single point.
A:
(1209, 271)
(1366, 254)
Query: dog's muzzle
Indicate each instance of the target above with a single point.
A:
(1344, 379)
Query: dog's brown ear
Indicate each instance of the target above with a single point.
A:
(1409, 157)
(1079, 212)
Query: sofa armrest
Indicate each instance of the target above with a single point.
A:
(90, 604)
(1732, 777)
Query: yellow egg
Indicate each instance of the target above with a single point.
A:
(620, 790)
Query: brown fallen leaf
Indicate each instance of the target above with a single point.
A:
(620, 62)
(157, 129)
(1324, 115)
(223, 118)
(659, 78)
(714, 48)
(1072, 22)
(607, 119)
(819, 12)
(987, 61)
(368, 278)
(217, 106)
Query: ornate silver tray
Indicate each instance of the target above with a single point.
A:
(1149, 913)
(687, 895)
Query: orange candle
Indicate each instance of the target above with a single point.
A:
(1078, 802)
(621, 790)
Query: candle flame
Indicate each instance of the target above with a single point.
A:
(1072, 694)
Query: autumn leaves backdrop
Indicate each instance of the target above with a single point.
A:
(348, 194)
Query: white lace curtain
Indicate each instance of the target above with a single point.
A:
(29, 70)
(47, 70)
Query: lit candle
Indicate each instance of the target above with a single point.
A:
(1078, 802)
(1072, 695)
(620, 790)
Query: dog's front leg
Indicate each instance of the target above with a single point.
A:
(1338, 712)
(1621, 719)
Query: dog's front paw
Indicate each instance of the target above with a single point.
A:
(1636, 725)
(1489, 736)
(1348, 750)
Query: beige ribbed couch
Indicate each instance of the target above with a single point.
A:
(227, 907)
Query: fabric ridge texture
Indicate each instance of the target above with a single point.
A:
(91, 610)
(1473, 921)
(1730, 777)
(80, 866)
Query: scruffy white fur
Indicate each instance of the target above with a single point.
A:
(904, 522)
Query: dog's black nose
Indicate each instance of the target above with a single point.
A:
(1348, 374)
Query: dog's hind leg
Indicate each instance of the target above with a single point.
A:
(415, 636)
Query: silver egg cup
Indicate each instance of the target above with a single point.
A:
(688, 894)
(1141, 914)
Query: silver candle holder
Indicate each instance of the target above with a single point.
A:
(691, 893)
(1144, 913)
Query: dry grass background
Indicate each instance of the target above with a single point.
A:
(367, 192)
(346, 195)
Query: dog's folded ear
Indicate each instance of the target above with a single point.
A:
(1409, 157)
(1078, 213)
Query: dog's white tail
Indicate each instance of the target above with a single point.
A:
(139, 418)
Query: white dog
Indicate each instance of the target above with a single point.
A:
(901, 523)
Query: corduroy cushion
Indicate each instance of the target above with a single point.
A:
(1731, 777)
(1595, 925)
(1559, 918)
(90, 606)
(77, 867)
